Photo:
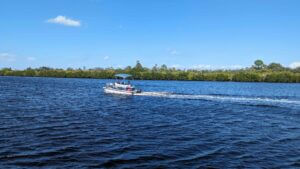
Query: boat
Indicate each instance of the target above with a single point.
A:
(122, 85)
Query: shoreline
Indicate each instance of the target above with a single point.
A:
(229, 81)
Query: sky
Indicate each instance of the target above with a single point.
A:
(201, 34)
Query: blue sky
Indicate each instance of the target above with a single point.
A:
(179, 33)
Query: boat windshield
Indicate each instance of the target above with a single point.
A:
(124, 82)
(122, 75)
(123, 79)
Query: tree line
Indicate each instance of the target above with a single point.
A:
(259, 72)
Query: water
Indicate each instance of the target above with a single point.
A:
(71, 123)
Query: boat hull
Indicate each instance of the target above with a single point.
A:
(115, 91)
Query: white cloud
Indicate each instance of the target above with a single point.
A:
(211, 67)
(31, 58)
(120, 66)
(106, 57)
(6, 57)
(202, 67)
(294, 65)
(231, 67)
(176, 66)
(63, 20)
(173, 51)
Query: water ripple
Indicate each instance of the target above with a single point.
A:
(71, 123)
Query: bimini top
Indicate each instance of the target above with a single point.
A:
(123, 75)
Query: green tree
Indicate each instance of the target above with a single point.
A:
(259, 64)
(164, 67)
(138, 67)
(275, 67)
(273, 73)
(155, 68)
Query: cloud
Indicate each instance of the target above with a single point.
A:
(7, 57)
(202, 67)
(173, 51)
(176, 66)
(294, 65)
(232, 67)
(63, 20)
(31, 58)
(120, 66)
(210, 67)
(106, 57)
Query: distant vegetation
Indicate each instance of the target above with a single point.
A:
(259, 72)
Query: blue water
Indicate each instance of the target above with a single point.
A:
(71, 123)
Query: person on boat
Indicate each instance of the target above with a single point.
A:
(128, 88)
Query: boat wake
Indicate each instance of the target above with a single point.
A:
(237, 99)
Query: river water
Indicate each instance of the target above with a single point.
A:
(71, 123)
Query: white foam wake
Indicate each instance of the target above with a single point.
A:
(222, 98)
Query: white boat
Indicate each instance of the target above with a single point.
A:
(121, 86)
